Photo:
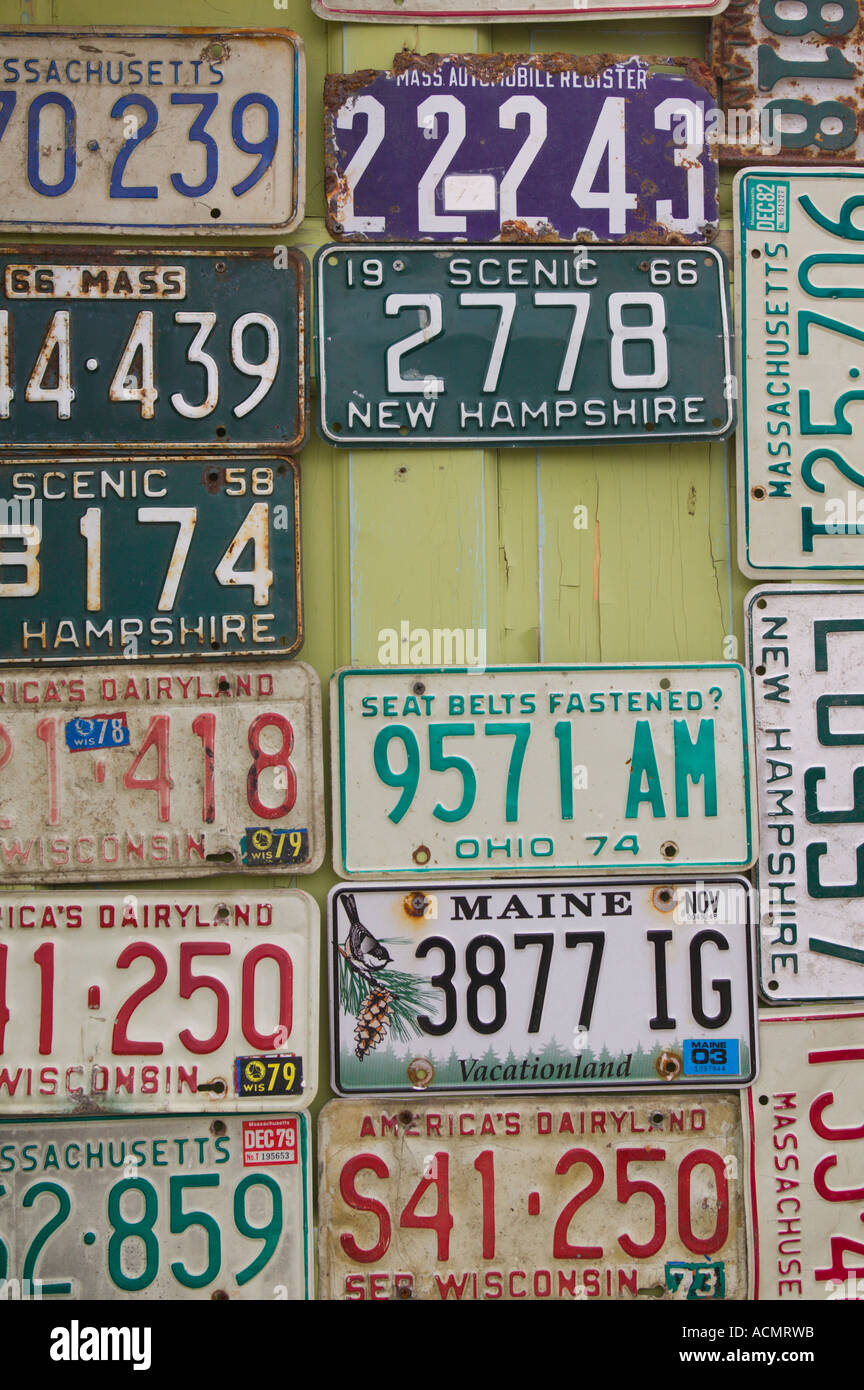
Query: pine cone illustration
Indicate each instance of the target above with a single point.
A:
(372, 1021)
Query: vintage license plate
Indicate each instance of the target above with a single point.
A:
(498, 345)
(476, 147)
(118, 773)
(165, 558)
(532, 1199)
(136, 1002)
(120, 349)
(792, 84)
(505, 11)
(805, 1145)
(561, 768)
(196, 131)
(801, 339)
(199, 1207)
(806, 649)
(600, 984)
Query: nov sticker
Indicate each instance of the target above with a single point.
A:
(269, 1141)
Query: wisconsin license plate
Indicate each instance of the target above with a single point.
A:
(806, 647)
(599, 984)
(143, 1002)
(799, 296)
(805, 1147)
(561, 768)
(115, 773)
(201, 1207)
(165, 558)
(792, 83)
(532, 1199)
(504, 11)
(512, 345)
(476, 147)
(196, 131)
(120, 349)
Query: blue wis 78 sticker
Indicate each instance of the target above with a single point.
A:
(711, 1057)
(102, 731)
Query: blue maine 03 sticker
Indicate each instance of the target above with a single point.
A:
(767, 205)
(710, 1056)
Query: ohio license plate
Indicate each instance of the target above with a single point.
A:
(504, 11)
(122, 348)
(531, 1199)
(165, 558)
(562, 768)
(143, 1002)
(196, 131)
(118, 773)
(599, 984)
(477, 147)
(792, 83)
(805, 1146)
(806, 649)
(498, 345)
(799, 292)
(201, 1207)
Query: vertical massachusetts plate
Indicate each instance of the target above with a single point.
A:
(507, 1198)
(141, 1002)
(121, 772)
(476, 146)
(169, 557)
(599, 984)
(799, 293)
(806, 650)
(201, 1207)
(551, 768)
(191, 131)
(805, 1146)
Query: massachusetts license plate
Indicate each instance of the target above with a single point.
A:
(541, 1199)
(805, 1146)
(203, 1207)
(123, 348)
(118, 773)
(792, 83)
(165, 558)
(561, 768)
(137, 1002)
(799, 292)
(469, 345)
(806, 649)
(505, 11)
(600, 984)
(476, 147)
(196, 131)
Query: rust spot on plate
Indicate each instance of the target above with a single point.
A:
(669, 1065)
(415, 906)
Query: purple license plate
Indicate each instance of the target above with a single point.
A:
(522, 147)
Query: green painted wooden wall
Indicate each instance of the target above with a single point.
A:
(485, 538)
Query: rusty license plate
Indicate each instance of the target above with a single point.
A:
(578, 1199)
(140, 1002)
(118, 773)
(506, 11)
(171, 557)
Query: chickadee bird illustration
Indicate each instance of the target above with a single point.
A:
(365, 951)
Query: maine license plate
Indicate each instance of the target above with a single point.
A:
(542, 1199)
(806, 648)
(805, 1147)
(801, 333)
(196, 131)
(792, 83)
(477, 147)
(117, 349)
(505, 11)
(562, 768)
(469, 345)
(137, 1002)
(170, 557)
(600, 984)
(119, 773)
(206, 1207)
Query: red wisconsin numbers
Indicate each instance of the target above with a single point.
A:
(839, 1245)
